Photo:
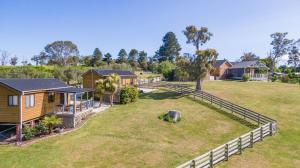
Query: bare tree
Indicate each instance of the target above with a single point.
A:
(4, 56)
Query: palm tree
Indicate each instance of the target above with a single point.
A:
(100, 90)
(111, 85)
(51, 121)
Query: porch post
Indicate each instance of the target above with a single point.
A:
(74, 111)
(87, 100)
(80, 101)
(20, 127)
(93, 99)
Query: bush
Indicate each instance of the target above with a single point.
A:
(274, 78)
(28, 132)
(166, 68)
(40, 129)
(245, 78)
(285, 79)
(128, 95)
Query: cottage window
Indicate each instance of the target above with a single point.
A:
(51, 97)
(29, 100)
(12, 100)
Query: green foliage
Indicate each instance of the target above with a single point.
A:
(108, 58)
(40, 129)
(166, 68)
(132, 58)
(274, 78)
(197, 36)
(249, 56)
(142, 60)
(128, 95)
(97, 57)
(122, 56)
(170, 48)
(28, 132)
(245, 78)
(51, 122)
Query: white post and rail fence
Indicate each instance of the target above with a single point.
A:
(266, 127)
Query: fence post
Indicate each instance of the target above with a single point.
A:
(251, 139)
(210, 99)
(193, 164)
(211, 159)
(261, 133)
(226, 152)
(221, 103)
(240, 145)
(271, 129)
(258, 120)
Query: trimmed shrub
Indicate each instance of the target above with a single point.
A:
(245, 78)
(274, 78)
(28, 132)
(128, 95)
(285, 79)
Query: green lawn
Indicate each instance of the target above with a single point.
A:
(132, 136)
(277, 100)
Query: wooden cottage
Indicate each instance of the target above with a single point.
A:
(127, 78)
(27, 100)
(220, 69)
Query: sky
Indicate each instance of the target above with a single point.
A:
(238, 26)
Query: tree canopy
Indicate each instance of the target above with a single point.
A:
(122, 56)
(108, 58)
(197, 37)
(132, 57)
(97, 57)
(170, 48)
(59, 51)
(142, 60)
(249, 56)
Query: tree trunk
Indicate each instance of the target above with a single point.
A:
(100, 101)
(198, 85)
(111, 99)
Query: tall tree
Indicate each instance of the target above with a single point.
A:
(97, 57)
(142, 60)
(294, 55)
(60, 51)
(198, 66)
(108, 58)
(122, 56)
(170, 48)
(280, 47)
(197, 37)
(249, 56)
(132, 57)
(13, 61)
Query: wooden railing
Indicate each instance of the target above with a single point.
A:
(266, 127)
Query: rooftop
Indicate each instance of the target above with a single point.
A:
(247, 64)
(23, 84)
(106, 72)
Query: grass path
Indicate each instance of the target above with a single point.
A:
(132, 136)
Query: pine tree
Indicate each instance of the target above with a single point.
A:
(108, 58)
(122, 56)
(132, 57)
(97, 57)
(170, 48)
(142, 60)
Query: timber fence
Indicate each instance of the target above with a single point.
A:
(266, 127)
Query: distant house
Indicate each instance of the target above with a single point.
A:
(254, 69)
(127, 78)
(27, 100)
(220, 69)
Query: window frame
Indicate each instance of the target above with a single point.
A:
(8, 101)
(31, 101)
(51, 97)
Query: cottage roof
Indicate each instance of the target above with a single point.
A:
(218, 63)
(248, 64)
(106, 72)
(23, 84)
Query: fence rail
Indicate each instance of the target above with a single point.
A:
(267, 127)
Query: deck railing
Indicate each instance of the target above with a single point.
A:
(266, 127)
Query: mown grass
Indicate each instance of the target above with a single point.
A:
(279, 101)
(133, 136)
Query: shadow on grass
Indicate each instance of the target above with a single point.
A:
(160, 95)
(225, 113)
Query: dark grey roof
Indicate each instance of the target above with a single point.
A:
(246, 64)
(23, 85)
(73, 90)
(220, 62)
(106, 72)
